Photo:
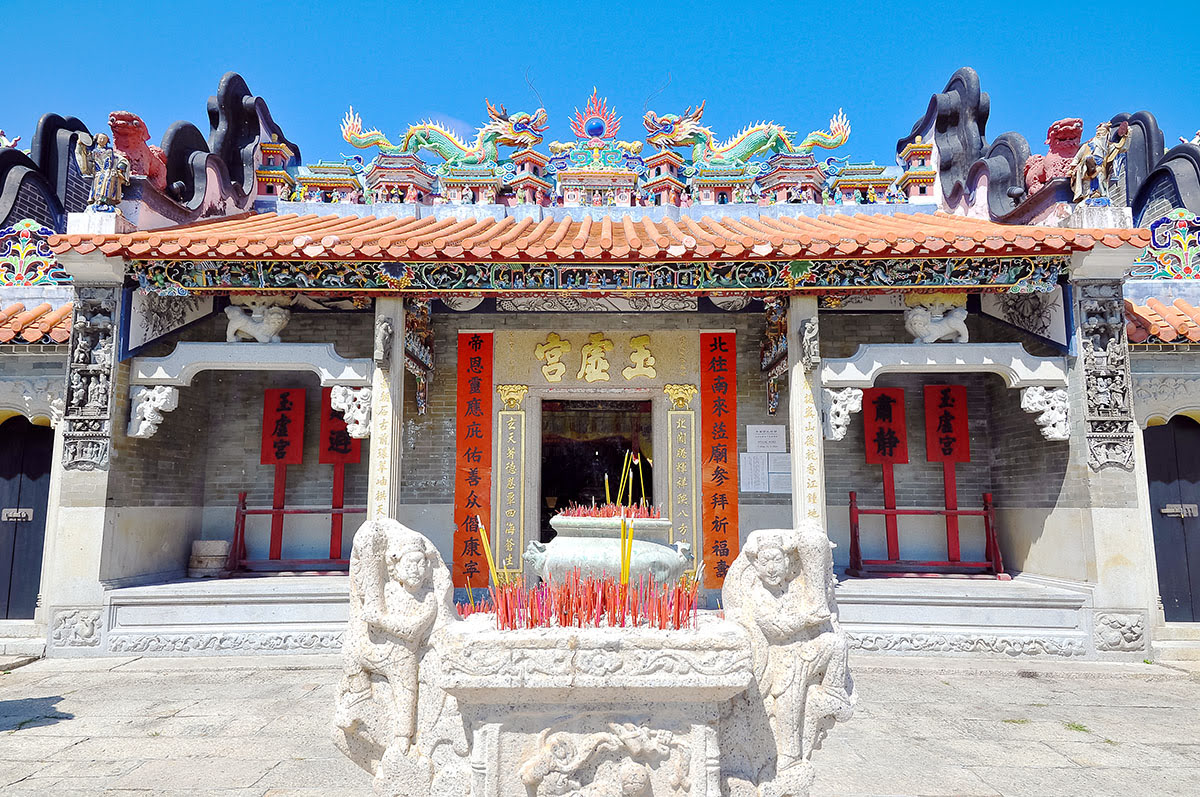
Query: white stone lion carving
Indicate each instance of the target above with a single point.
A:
(931, 324)
(262, 324)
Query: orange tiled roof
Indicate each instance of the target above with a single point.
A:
(1155, 322)
(268, 236)
(41, 324)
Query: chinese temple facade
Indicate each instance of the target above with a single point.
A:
(463, 334)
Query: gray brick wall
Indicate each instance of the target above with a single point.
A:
(429, 454)
(207, 450)
(1009, 456)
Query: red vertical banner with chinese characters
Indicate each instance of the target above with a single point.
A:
(719, 453)
(282, 445)
(283, 427)
(886, 435)
(948, 441)
(337, 446)
(946, 436)
(473, 457)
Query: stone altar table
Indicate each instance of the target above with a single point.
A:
(431, 704)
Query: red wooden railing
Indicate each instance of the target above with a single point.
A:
(237, 552)
(893, 565)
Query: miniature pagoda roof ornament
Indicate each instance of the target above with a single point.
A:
(518, 129)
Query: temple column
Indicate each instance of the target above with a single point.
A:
(79, 519)
(804, 410)
(1107, 461)
(387, 410)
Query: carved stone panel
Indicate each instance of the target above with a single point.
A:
(1104, 354)
(88, 407)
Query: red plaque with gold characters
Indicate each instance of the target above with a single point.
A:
(473, 457)
(719, 453)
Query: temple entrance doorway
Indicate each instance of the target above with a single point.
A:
(25, 455)
(582, 441)
(1173, 473)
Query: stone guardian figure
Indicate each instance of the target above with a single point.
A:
(780, 589)
(400, 594)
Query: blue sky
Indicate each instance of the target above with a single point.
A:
(795, 63)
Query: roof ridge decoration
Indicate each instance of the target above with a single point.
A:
(519, 129)
(26, 258)
(685, 130)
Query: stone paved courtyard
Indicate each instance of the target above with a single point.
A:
(258, 726)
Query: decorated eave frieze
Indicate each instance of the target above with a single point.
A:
(1031, 274)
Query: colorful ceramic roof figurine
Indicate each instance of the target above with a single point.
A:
(671, 130)
(519, 129)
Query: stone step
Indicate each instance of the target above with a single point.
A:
(18, 628)
(31, 646)
(1175, 650)
(1177, 632)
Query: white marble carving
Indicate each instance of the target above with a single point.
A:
(75, 628)
(40, 397)
(390, 716)
(434, 705)
(1018, 367)
(261, 324)
(780, 589)
(355, 406)
(1119, 631)
(146, 408)
(189, 358)
(931, 324)
(969, 643)
(1051, 406)
(840, 406)
(225, 642)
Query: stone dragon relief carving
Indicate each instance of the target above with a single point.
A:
(1105, 360)
(75, 628)
(1051, 406)
(327, 642)
(612, 763)
(88, 410)
(969, 643)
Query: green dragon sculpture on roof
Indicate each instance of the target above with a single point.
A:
(518, 129)
(672, 130)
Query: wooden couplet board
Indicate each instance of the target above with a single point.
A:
(509, 537)
(887, 444)
(682, 424)
(948, 441)
(339, 449)
(719, 453)
(473, 457)
(282, 445)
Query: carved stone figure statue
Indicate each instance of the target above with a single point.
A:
(108, 169)
(400, 593)
(1096, 161)
(780, 589)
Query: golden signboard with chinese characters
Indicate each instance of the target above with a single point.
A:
(682, 447)
(582, 357)
(510, 490)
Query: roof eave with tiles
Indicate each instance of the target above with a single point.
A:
(617, 236)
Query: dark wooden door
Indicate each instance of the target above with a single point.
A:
(1173, 472)
(25, 454)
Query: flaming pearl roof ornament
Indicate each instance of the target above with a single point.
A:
(596, 121)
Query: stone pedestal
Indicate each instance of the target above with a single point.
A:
(635, 711)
